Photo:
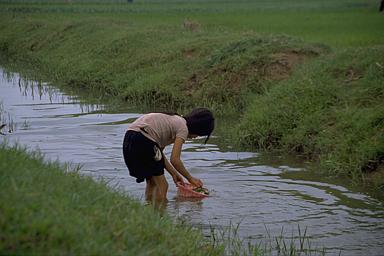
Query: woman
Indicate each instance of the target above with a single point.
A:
(144, 143)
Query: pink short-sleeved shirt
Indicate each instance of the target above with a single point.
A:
(161, 128)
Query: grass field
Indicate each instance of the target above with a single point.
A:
(301, 76)
(336, 23)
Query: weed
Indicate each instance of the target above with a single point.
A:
(293, 244)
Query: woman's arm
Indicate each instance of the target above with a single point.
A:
(178, 164)
(175, 175)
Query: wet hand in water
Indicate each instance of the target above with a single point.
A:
(196, 182)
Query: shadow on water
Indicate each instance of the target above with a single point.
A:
(264, 196)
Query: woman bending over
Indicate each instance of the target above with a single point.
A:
(147, 137)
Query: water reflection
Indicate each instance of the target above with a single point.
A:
(245, 189)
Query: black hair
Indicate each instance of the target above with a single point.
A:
(201, 122)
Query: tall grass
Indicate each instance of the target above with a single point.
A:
(330, 110)
(162, 66)
(296, 243)
(7, 123)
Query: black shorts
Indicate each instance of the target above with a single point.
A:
(139, 153)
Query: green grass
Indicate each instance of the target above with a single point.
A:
(342, 23)
(45, 210)
(159, 65)
(330, 110)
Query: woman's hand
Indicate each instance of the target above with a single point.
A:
(177, 179)
(196, 182)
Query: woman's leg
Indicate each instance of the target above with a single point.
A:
(150, 189)
(161, 188)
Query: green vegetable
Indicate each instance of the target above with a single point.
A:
(201, 190)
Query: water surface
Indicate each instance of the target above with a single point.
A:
(262, 198)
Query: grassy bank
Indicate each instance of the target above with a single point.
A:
(162, 66)
(230, 56)
(44, 210)
(330, 110)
